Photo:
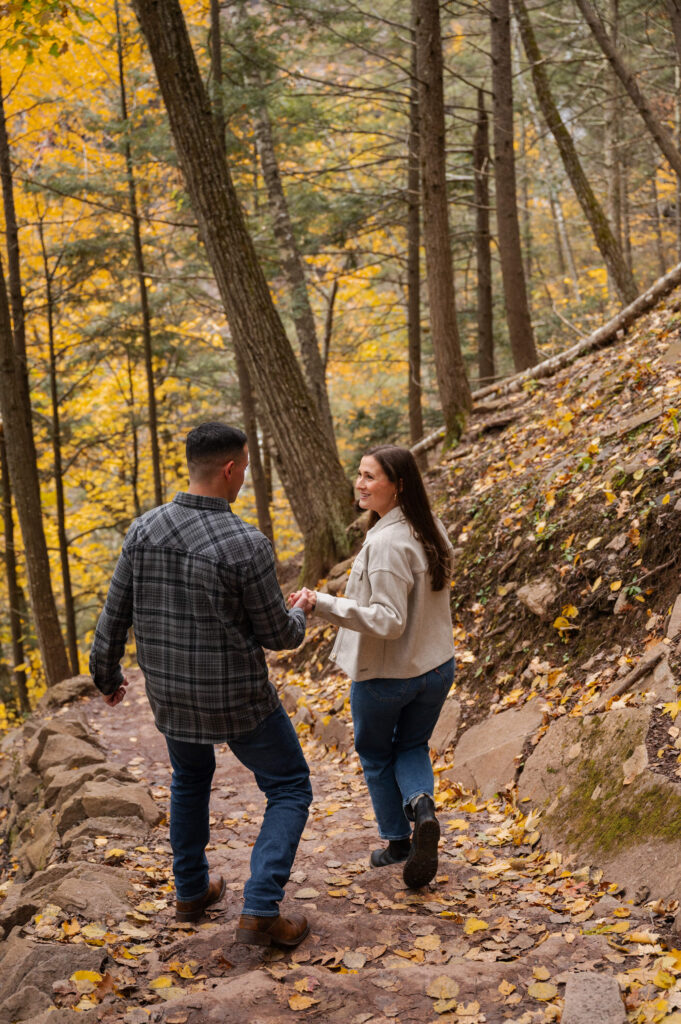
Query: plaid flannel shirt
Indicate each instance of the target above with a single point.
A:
(200, 589)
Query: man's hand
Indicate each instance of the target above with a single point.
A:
(305, 599)
(112, 699)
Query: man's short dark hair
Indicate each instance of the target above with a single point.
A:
(211, 445)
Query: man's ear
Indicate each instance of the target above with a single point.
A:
(228, 468)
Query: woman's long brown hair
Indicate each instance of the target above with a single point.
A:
(399, 465)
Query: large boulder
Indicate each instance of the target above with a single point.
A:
(487, 755)
(66, 691)
(112, 799)
(601, 801)
(68, 752)
(447, 726)
(95, 891)
(71, 728)
(35, 843)
(61, 783)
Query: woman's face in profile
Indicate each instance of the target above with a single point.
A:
(375, 492)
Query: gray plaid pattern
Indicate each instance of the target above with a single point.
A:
(200, 589)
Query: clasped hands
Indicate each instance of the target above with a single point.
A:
(305, 599)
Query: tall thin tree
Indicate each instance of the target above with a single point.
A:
(608, 245)
(521, 335)
(455, 396)
(414, 389)
(481, 165)
(140, 267)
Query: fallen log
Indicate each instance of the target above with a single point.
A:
(604, 336)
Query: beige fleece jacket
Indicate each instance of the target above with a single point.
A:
(393, 624)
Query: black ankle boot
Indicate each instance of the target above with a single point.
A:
(421, 866)
(395, 852)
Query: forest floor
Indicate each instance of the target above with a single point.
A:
(574, 482)
(493, 938)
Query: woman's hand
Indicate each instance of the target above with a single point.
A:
(305, 599)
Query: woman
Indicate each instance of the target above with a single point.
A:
(396, 644)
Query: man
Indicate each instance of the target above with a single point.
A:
(199, 586)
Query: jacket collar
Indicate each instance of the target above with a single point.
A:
(395, 515)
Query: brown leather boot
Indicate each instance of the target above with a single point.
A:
(192, 910)
(272, 931)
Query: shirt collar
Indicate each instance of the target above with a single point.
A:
(201, 501)
(395, 515)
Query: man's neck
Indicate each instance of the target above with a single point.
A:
(206, 491)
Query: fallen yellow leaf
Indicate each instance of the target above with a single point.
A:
(300, 1002)
(474, 924)
(443, 987)
(542, 990)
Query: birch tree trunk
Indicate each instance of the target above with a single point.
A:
(319, 493)
(508, 229)
(455, 397)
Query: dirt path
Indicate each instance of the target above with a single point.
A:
(493, 938)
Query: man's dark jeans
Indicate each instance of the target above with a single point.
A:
(272, 752)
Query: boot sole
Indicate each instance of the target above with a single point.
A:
(421, 866)
(253, 938)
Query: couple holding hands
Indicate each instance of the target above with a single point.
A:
(199, 586)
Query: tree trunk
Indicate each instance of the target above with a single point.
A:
(69, 605)
(481, 163)
(246, 394)
(141, 273)
(291, 261)
(508, 230)
(319, 493)
(628, 80)
(414, 390)
(605, 240)
(13, 594)
(15, 408)
(674, 8)
(657, 225)
(455, 396)
(251, 430)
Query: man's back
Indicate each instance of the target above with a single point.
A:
(199, 586)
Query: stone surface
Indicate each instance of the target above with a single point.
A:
(68, 752)
(94, 890)
(66, 691)
(674, 627)
(61, 783)
(109, 799)
(485, 756)
(72, 727)
(629, 829)
(38, 964)
(333, 732)
(115, 829)
(24, 1004)
(591, 998)
(539, 596)
(447, 726)
(35, 843)
(290, 695)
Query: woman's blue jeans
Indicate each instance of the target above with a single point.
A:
(272, 752)
(394, 719)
